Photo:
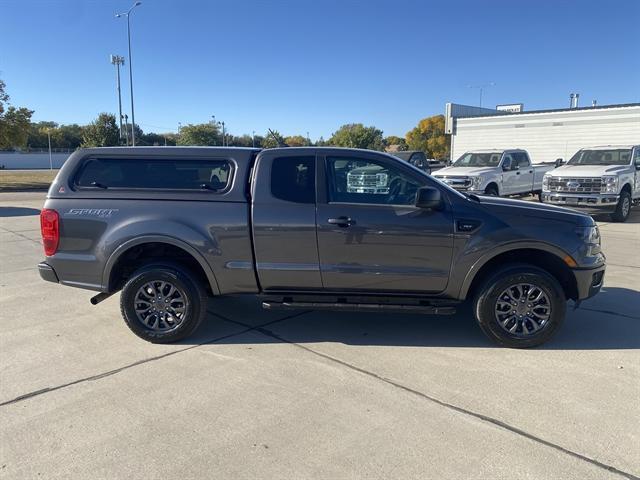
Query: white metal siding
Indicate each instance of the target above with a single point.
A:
(550, 135)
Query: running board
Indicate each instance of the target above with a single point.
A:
(360, 307)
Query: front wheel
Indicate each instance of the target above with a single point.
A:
(623, 208)
(162, 303)
(491, 190)
(520, 306)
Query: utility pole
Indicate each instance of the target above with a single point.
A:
(133, 116)
(117, 60)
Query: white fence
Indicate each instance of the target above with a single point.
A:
(31, 160)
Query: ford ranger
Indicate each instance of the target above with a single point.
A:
(495, 172)
(599, 179)
(169, 227)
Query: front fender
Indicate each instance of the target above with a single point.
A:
(504, 248)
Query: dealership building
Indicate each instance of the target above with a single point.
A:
(546, 134)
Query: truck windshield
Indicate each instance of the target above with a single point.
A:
(478, 160)
(601, 157)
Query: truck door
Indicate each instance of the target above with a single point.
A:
(371, 237)
(283, 214)
(509, 178)
(524, 172)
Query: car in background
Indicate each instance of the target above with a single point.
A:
(495, 172)
(598, 179)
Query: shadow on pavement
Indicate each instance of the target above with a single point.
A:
(591, 327)
(18, 211)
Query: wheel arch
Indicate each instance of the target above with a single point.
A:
(120, 253)
(547, 257)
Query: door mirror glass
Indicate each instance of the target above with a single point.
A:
(506, 165)
(428, 198)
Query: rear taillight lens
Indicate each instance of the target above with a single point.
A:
(50, 228)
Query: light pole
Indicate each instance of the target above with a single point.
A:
(223, 134)
(253, 139)
(133, 117)
(481, 88)
(117, 60)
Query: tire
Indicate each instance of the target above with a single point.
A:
(623, 208)
(179, 307)
(495, 302)
(539, 195)
(492, 190)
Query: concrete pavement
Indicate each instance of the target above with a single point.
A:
(259, 394)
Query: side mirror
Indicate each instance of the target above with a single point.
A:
(506, 166)
(428, 198)
(559, 162)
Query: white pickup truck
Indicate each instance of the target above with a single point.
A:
(599, 179)
(495, 172)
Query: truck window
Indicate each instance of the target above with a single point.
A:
(159, 173)
(520, 159)
(293, 179)
(353, 180)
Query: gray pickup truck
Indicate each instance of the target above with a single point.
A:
(170, 227)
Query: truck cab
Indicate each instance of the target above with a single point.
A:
(602, 179)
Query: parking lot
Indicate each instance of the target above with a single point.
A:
(258, 394)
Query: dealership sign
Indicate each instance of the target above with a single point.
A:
(511, 107)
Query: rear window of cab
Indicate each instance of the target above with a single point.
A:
(156, 174)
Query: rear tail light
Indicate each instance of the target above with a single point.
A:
(50, 228)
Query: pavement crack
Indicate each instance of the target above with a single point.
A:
(464, 411)
(145, 360)
(609, 312)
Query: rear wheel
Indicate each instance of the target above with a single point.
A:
(162, 303)
(520, 306)
(623, 208)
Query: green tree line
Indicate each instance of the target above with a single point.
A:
(17, 131)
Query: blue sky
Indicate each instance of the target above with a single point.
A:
(300, 66)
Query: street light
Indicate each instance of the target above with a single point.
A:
(117, 60)
(133, 117)
(253, 139)
(481, 88)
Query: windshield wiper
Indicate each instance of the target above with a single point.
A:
(98, 185)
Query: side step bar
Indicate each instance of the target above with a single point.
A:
(360, 307)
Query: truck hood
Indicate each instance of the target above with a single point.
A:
(465, 171)
(588, 170)
(520, 208)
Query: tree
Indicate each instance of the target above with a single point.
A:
(270, 142)
(395, 144)
(297, 141)
(204, 134)
(429, 137)
(14, 122)
(356, 135)
(154, 139)
(102, 132)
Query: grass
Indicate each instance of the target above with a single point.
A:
(12, 181)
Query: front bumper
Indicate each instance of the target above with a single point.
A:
(596, 202)
(589, 281)
(47, 272)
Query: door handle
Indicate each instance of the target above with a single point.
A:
(517, 173)
(341, 221)
(530, 171)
